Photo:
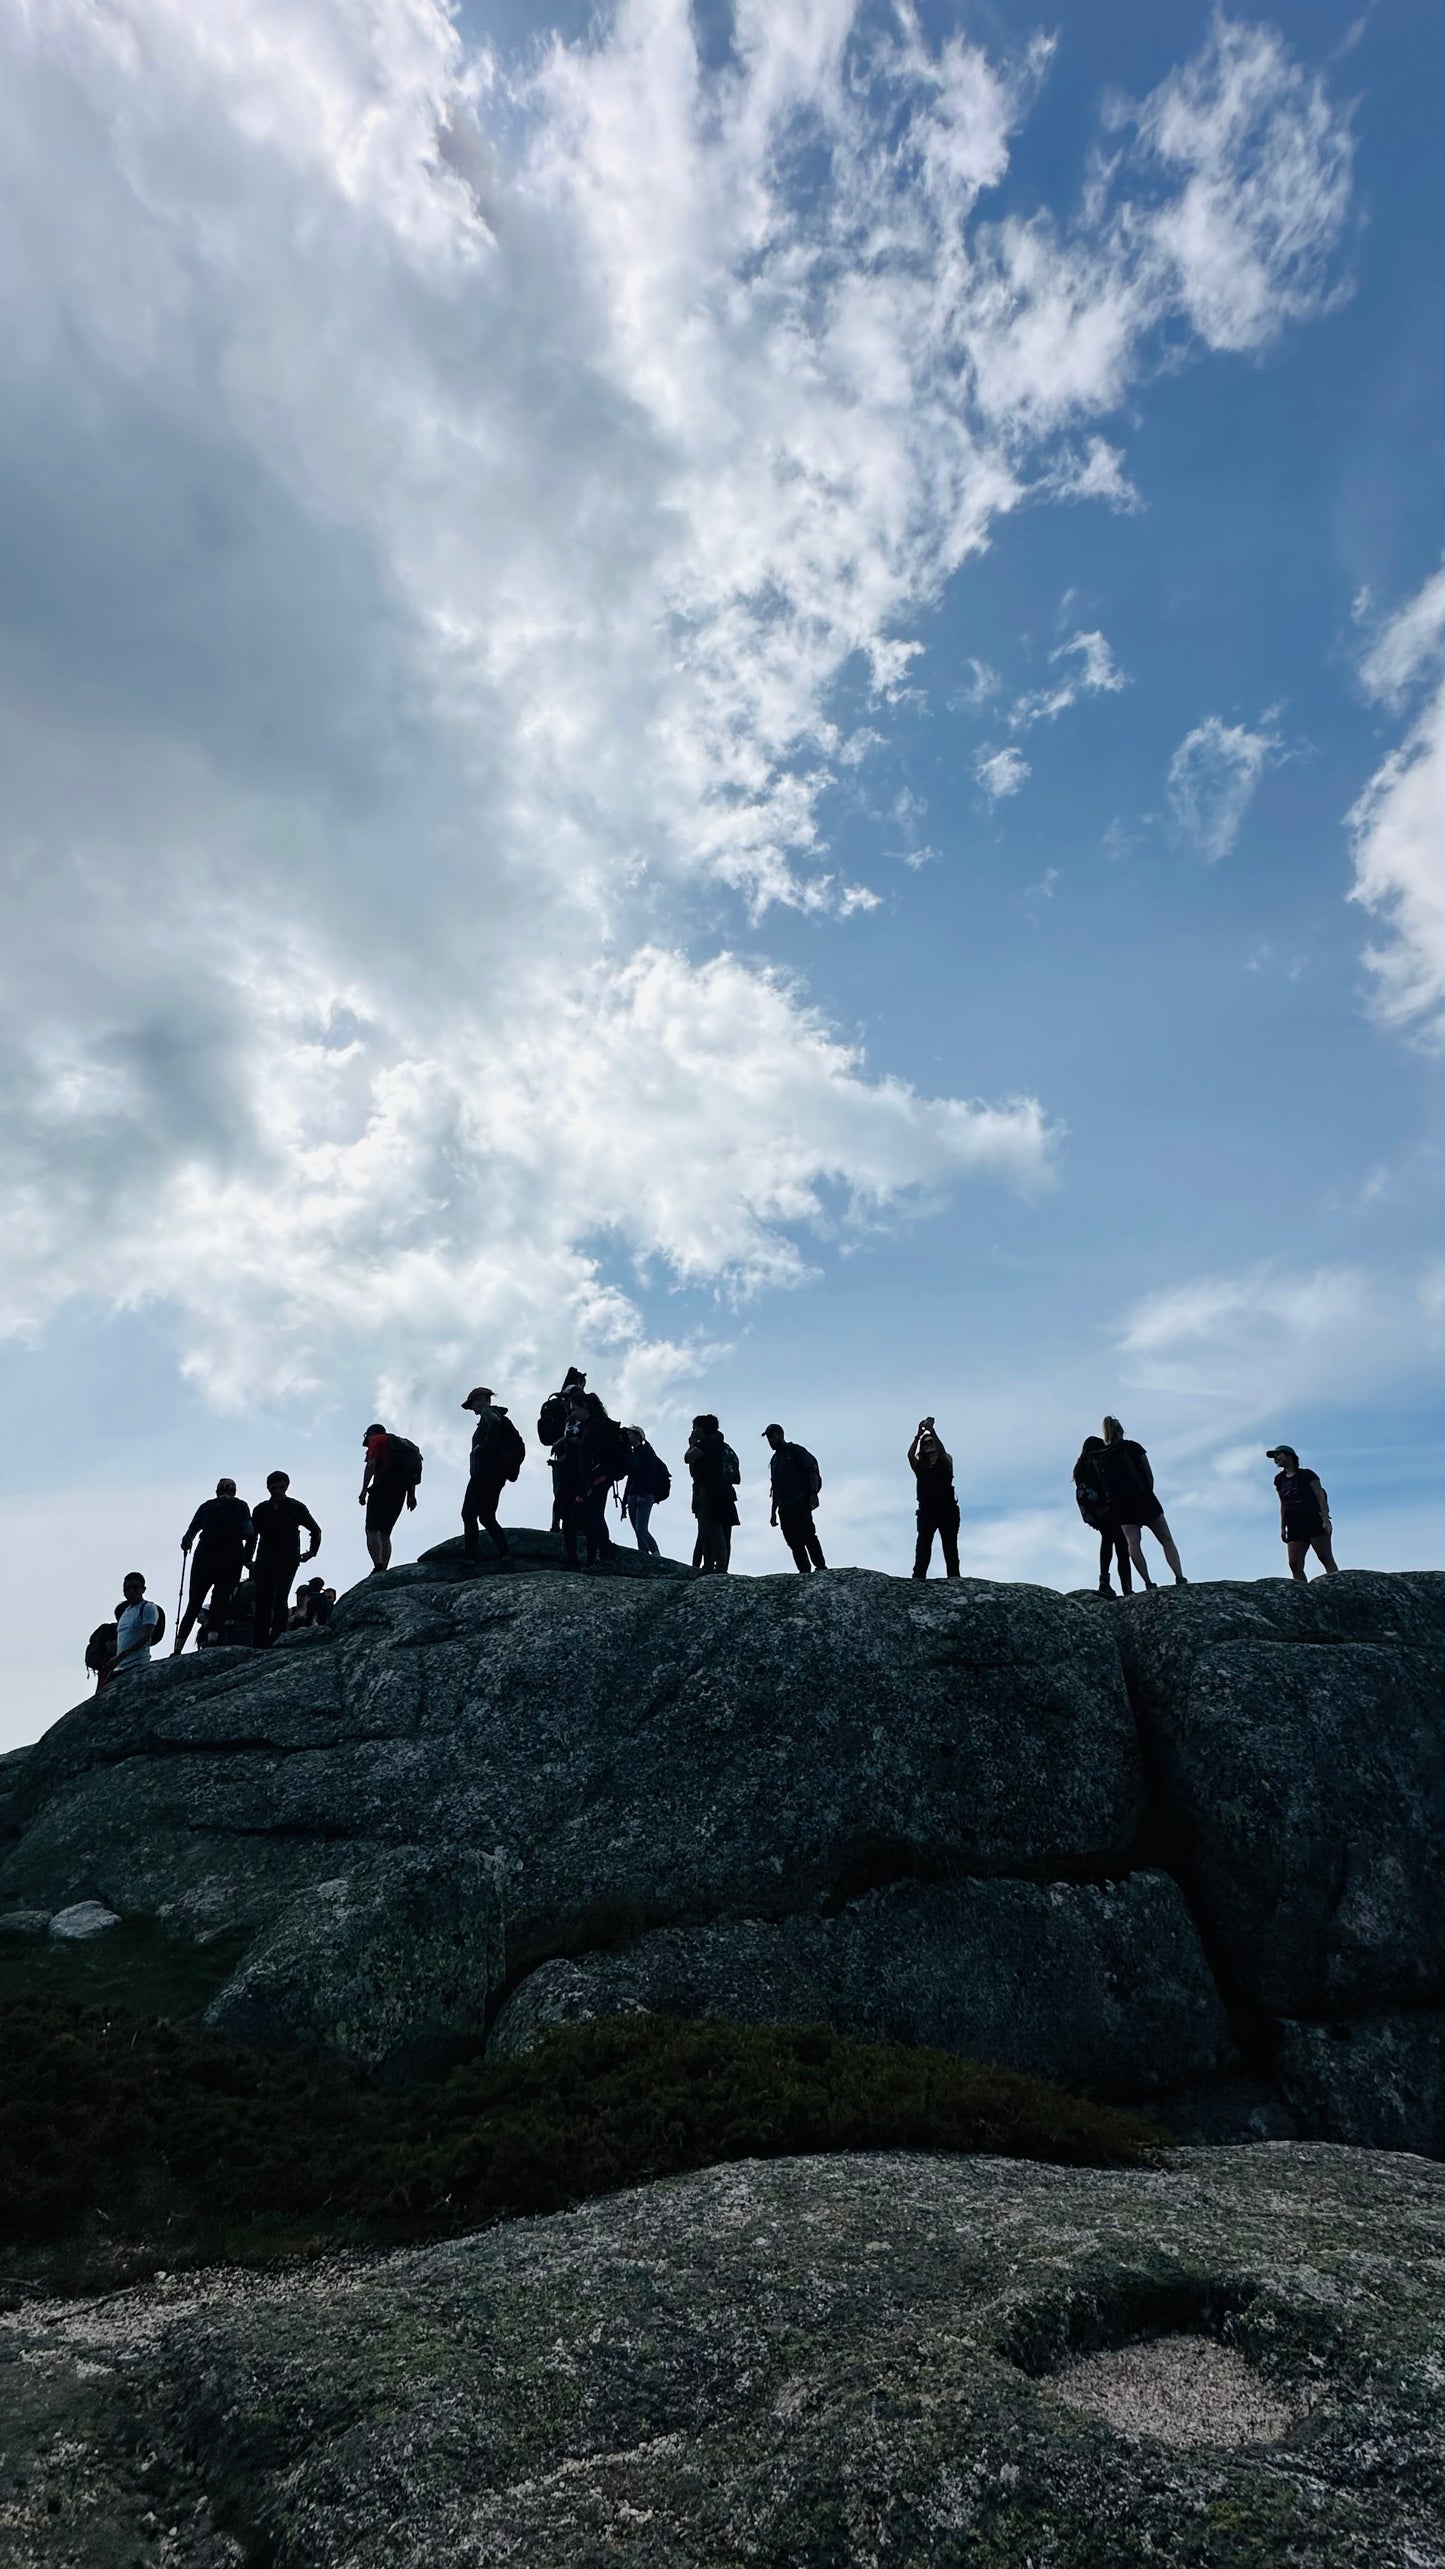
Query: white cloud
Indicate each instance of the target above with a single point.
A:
(1211, 781)
(1251, 1344)
(1001, 772)
(1398, 824)
(1098, 673)
(440, 501)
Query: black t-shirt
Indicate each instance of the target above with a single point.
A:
(222, 1524)
(278, 1524)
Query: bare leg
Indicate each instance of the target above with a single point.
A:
(1322, 1547)
(379, 1546)
(1297, 1555)
(1167, 1545)
(1136, 1554)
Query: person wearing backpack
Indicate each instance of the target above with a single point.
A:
(938, 1509)
(498, 1454)
(1129, 1486)
(715, 1475)
(388, 1484)
(101, 1648)
(797, 1488)
(1304, 1513)
(139, 1625)
(648, 1483)
(1094, 1508)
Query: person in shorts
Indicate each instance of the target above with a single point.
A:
(1304, 1512)
(1129, 1486)
(386, 1488)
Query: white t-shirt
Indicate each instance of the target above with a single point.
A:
(132, 1650)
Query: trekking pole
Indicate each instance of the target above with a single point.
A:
(181, 1590)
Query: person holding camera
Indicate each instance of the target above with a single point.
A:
(938, 1511)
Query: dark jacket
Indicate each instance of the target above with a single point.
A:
(937, 1497)
(224, 1525)
(278, 1524)
(797, 1481)
(711, 1483)
(644, 1474)
(498, 1448)
(1090, 1488)
(1128, 1482)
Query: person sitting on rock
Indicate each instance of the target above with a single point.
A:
(1304, 1512)
(388, 1484)
(938, 1510)
(714, 1469)
(797, 1486)
(1129, 1487)
(498, 1454)
(224, 1537)
(139, 1625)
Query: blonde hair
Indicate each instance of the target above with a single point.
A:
(1113, 1432)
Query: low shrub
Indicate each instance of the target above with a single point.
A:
(163, 2131)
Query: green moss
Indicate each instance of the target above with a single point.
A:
(116, 2128)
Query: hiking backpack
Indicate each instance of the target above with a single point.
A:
(405, 1459)
(511, 1447)
(732, 1468)
(814, 1474)
(1091, 1494)
(552, 1418)
(661, 1480)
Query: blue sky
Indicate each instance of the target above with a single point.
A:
(774, 720)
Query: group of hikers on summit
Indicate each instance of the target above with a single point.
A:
(244, 1560)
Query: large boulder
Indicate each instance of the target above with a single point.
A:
(614, 1753)
(1103, 1990)
(884, 2362)
(1296, 1742)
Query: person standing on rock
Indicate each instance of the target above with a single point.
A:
(1304, 1512)
(388, 1484)
(278, 1522)
(498, 1454)
(139, 1625)
(1129, 1486)
(224, 1538)
(1096, 1511)
(797, 1487)
(714, 1469)
(648, 1483)
(938, 1510)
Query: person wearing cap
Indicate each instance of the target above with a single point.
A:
(498, 1454)
(1304, 1512)
(797, 1488)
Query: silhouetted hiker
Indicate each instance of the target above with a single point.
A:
(1129, 1486)
(1096, 1511)
(715, 1474)
(278, 1522)
(648, 1483)
(1304, 1512)
(938, 1510)
(498, 1454)
(139, 1625)
(797, 1488)
(223, 1535)
(101, 1648)
(388, 1484)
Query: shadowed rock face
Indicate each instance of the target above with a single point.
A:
(1080, 1839)
(846, 2361)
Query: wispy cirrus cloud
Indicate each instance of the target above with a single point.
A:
(1212, 779)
